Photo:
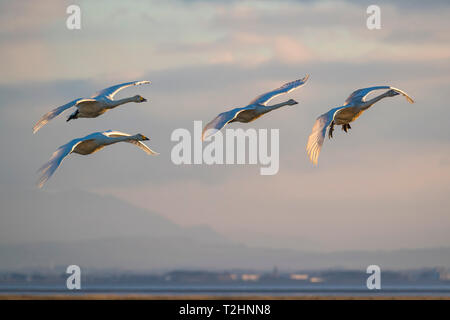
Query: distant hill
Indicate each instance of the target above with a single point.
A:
(171, 252)
(102, 232)
(78, 215)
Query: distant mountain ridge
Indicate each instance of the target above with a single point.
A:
(165, 253)
(61, 228)
(79, 215)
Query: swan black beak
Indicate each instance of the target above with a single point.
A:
(146, 139)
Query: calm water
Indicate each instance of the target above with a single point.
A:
(223, 290)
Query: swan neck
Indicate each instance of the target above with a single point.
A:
(120, 139)
(372, 101)
(118, 102)
(279, 105)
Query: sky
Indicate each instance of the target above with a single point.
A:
(384, 185)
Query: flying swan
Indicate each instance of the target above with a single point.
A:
(88, 145)
(353, 107)
(94, 106)
(254, 110)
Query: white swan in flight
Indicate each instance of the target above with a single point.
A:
(254, 110)
(94, 106)
(88, 145)
(353, 107)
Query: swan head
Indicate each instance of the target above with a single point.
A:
(392, 93)
(139, 99)
(291, 102)
(141, 137)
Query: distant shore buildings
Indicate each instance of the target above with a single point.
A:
(439, 276)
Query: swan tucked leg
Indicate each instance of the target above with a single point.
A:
(346, 127)
(330, 130)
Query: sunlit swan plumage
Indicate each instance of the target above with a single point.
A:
(254, 110)
(88, 145)
(353, 107)
(94, 106)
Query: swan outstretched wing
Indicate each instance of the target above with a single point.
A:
(58, 156)
(360, 95)
(139, 144)
(220, 121)
(286, 88)
(55, 112)
(317, 136)
(112, 91)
